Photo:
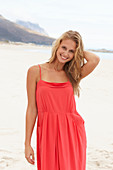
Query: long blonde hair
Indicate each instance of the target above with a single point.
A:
(72, 68)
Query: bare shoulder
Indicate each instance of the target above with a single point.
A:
(33, 73)
(44, 65)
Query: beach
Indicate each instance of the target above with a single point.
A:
(94, 105)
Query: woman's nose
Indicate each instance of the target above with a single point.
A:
(66, 53)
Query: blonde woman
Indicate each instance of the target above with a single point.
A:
(51, 86)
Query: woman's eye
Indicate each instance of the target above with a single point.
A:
(71, 51)
(63, 47)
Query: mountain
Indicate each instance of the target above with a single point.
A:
(32, 26)
(14, 32)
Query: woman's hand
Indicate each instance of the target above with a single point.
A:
(29, 154)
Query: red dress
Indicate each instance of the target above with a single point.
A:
(61, 135)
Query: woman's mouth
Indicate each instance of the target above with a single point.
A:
(64, 58)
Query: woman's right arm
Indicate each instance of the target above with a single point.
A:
(31, 113)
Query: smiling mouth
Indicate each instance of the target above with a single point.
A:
(64, 58)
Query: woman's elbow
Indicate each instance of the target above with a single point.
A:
(96, 60)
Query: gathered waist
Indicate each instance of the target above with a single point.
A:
(75, 116)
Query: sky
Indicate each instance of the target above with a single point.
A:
(92, 19)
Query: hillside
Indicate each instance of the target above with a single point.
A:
(13, 32)
(32, 26)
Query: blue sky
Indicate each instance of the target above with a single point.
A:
(93, 19)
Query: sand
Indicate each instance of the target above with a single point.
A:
(94, 105)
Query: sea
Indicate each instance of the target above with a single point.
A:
(102, 55)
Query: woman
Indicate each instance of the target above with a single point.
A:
(51, 86)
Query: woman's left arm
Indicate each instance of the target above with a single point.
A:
(92, 62)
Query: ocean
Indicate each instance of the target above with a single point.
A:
(102, 55)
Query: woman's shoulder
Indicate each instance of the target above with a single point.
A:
(44, 66)
(33, 68)
(34, 72)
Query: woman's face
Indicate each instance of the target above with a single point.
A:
(66, 50)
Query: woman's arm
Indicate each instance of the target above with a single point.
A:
(31, 113)
(92, 62)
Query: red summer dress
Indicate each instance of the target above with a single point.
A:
(61, 135)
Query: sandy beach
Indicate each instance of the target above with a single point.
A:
(94, 105)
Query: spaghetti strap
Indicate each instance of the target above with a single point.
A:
(40, 71)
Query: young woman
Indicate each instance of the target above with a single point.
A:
(51, 86)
